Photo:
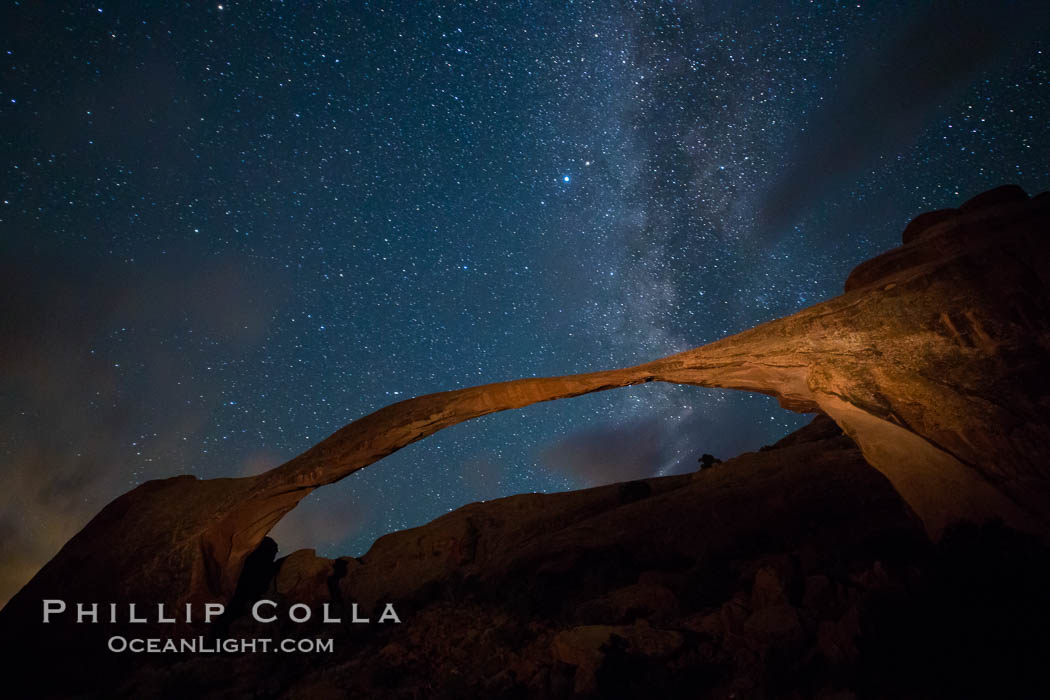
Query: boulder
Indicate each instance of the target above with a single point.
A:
(304, 577)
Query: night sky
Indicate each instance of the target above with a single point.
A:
(229, 229)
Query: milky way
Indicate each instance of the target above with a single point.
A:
(229, 230)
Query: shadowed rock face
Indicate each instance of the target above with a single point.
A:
(795, 571)
(504, 599)
(933, 361)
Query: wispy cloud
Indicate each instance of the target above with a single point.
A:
(888, 92)
(101, 387)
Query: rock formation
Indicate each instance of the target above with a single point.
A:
(933, 361)
(796, 569)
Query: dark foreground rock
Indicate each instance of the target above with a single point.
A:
(796, 571)
(754, 579)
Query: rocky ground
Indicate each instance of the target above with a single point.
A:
(828, 565)
(792, 572)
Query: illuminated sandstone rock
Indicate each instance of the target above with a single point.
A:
(934, 361)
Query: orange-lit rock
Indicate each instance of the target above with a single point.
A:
(934, 361)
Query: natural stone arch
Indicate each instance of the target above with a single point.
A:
(934, 362)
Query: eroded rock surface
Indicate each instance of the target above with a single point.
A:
(557, 591)
(933, 361)
(796, 571)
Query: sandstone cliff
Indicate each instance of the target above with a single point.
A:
(933, 362)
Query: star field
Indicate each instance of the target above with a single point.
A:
(230, 229)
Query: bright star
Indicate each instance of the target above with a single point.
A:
(566, 178)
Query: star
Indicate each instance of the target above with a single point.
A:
(345, 167)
